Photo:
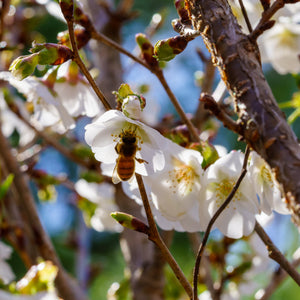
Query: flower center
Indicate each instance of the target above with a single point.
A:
(129, 131)
(266, 176)
(182, 178)
(223, 189)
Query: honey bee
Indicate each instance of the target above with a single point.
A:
(126, 148)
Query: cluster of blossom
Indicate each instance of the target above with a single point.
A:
(58, 97)
(279, 45)
(182, 194)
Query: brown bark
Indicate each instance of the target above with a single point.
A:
(264, 126)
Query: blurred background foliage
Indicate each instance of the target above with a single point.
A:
(106, 266)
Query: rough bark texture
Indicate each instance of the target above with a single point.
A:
(264, 126)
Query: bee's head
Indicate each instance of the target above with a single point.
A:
(128, 137)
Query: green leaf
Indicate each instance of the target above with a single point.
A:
(88, 209)
(6, 185)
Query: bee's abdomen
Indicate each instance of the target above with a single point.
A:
(125, 168)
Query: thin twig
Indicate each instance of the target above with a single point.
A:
(276, 255)
(244, 12)
(278, 277)
(155, 237)
(109, 42)
(214, 107)
(51, 141)
(82, 66)
(212, 221)
(195, 240)
(265, 19)
(178, 107)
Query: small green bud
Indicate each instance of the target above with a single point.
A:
(129, 221)
(51, 54)
(24, 66)
(147, 50)
(167, 49)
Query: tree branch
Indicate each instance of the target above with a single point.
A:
(276, 255)
(264, 126)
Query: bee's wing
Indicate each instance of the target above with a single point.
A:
(115, 176)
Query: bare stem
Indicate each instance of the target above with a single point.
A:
(179, 109)
(245, 16)
(276, 255)
(278, 277)
(212, 221)
(51, 141)
(214, 107)
(107, 41)
(156, 238)
(266, 16)
(82, 66)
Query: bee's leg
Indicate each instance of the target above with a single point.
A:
(140, 160)
(116, 148)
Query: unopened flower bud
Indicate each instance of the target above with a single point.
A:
(24, 66)
(130, 222)
(167, 49)
(51, 54)
(147, 50)
(132, 107)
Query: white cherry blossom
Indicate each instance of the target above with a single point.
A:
(48, 109)
(131, 107)
(175, 190)
(6, 273)
(266, 186)
(75, 93)
(104, 133)
(238, 218)
(103, 195)
(280, 46)
(10, 122)
(187, 223)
